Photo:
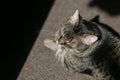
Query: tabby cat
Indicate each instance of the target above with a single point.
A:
(88, 47)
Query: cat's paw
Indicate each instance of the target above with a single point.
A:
(50, 44)
(47, 42)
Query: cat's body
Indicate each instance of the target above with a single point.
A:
(88, 47)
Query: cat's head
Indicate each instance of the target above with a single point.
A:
(77, 33)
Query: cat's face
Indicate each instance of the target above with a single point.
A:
(77, 33)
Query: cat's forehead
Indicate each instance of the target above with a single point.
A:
(67, 27)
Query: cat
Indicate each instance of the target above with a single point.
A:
(87, 47)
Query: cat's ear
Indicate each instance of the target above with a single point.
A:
(75, 19)
(95, 19)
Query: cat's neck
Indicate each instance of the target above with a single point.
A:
(115, 45)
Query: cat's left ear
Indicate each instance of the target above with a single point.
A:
(75, 19)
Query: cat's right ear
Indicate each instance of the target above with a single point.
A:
(75, 19)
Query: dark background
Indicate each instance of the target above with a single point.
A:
(111, 7)
(24, 21)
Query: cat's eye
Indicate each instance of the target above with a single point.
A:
(73, 43)
(69, 40)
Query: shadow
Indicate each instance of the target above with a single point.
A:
(27, 17)
(112, 7)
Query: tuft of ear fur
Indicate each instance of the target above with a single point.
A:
(75, 18)
(89, 39)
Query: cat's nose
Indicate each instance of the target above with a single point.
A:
(61, 42)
